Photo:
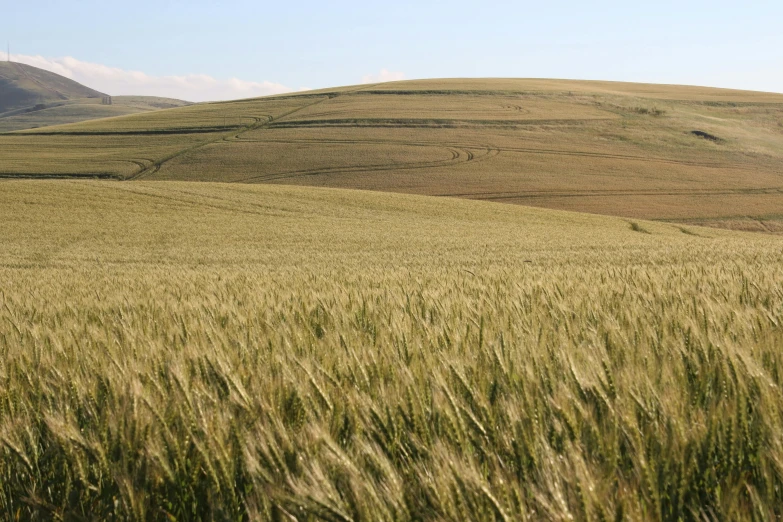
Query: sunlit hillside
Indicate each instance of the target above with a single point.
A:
(685, 154)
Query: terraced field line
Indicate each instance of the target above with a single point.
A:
(456, 158)
(613, 193)
(517, 150)
(155, 167)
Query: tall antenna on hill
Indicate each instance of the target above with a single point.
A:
(9, 51)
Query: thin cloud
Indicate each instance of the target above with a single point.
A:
(116, 81)
(384, 76)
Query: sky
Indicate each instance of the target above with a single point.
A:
(199, 50)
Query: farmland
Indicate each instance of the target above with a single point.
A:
(31, 97)
(670, 153)
(78, 110)
(312, 306)
(174, 350)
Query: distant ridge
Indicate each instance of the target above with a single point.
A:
(25, 86)
(32, 98)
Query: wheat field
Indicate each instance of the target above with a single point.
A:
(182, 351)
(78, 110)
(682, 154)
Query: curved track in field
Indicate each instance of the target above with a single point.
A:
(533, 194)
(258, 123)
(458, 155)
(461, 153)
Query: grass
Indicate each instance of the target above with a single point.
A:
(116, 156)
(608, 148)
(176, 350)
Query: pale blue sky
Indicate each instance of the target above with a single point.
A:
(300, 44)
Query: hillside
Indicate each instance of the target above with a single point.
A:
(24, 86)
(202, 351)
(83, 109)
(678, 153)
(32, 98)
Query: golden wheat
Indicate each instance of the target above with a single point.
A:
(213, 351)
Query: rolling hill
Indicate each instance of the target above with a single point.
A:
(32, 98)
(204, 340)
(678, 153)
(23, 86)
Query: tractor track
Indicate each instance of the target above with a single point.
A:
(429, 123)
(153, 132)
(626, 157)
(257, 124)
(75, 175)
(542, 194)
(486, 151)
(457, 156)
(517, 150)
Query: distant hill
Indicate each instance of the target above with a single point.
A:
(31, 98)
(665, 152)
(26, 86)
(83, 109)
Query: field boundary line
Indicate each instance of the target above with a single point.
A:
(156, 166)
